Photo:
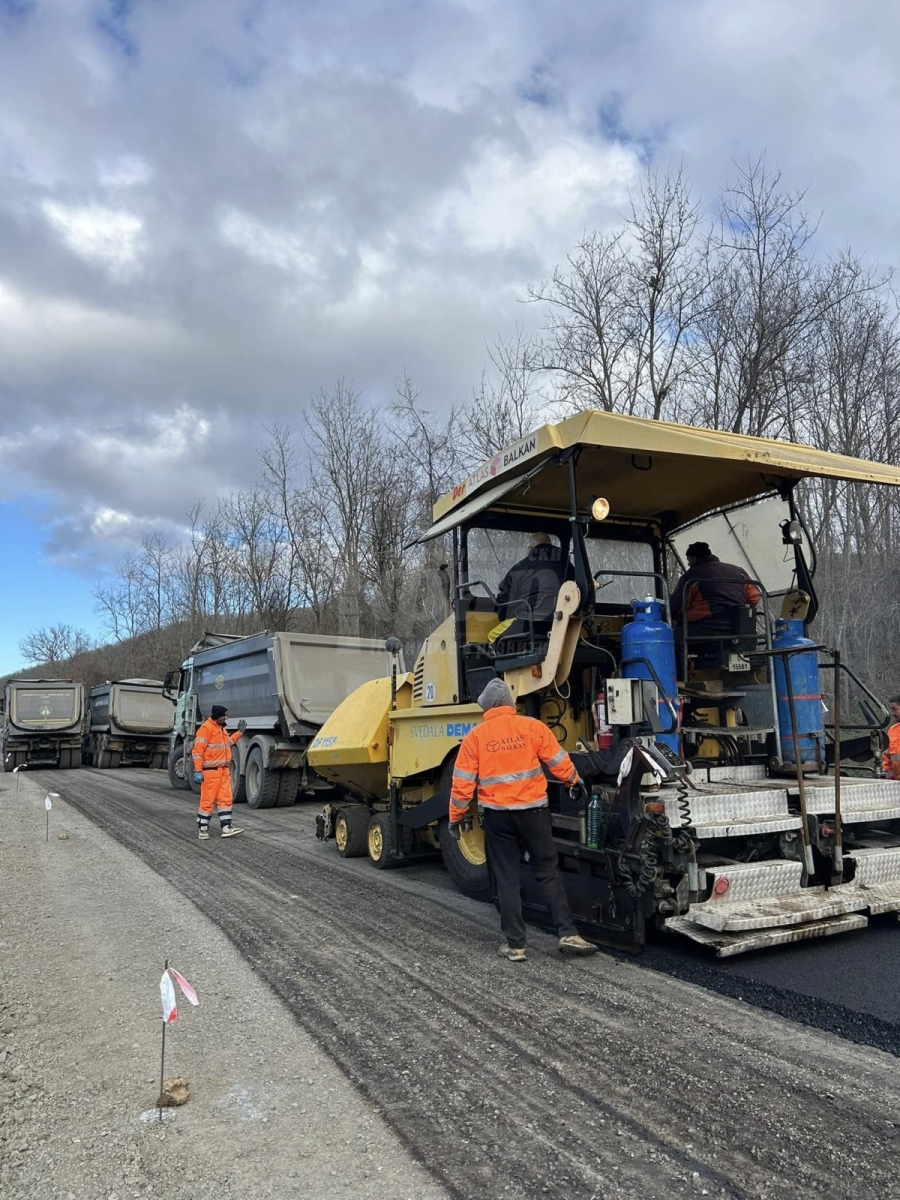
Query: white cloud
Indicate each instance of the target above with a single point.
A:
(105, 235)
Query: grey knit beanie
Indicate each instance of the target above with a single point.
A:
(495, 695)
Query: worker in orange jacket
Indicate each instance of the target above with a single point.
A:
(211, 753)
(890, 760)
(504, 758)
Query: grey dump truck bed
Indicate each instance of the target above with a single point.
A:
(292, 680)
(43, 720)
(129, 723)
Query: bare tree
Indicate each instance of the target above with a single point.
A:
(53, 645)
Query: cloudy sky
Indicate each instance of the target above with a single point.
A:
(212, 208)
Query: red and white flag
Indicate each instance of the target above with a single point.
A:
(189, 994)
(167, 993)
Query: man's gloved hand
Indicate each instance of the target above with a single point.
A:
(579, 793)
(198, 777)
(241, 725)
(455, 829)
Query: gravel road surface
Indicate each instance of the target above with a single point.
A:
(565, 1079)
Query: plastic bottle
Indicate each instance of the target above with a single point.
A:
(594, 820)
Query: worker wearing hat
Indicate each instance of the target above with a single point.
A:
(503, 759)
(710, 593)
(211, 753)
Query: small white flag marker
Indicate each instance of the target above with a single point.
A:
(167, 996)
(47, 803)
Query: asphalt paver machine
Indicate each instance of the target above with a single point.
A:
(728, 802)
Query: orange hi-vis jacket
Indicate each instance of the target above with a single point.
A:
(890, 760)
(503, 758)
(212, 746)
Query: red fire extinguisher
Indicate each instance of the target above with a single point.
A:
(604, 729)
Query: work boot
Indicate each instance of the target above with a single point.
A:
(575, 944)
(203, 835)
(513, 953)
(230, 831)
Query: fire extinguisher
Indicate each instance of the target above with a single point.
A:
(604, 729)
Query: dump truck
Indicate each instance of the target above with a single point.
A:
(129, 723)
(284, 685)
(724, 804)
(43, 723)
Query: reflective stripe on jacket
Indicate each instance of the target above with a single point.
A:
(503, 757)
(212, 746)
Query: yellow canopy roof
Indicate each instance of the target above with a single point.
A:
(645, 468)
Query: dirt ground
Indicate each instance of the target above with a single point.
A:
(85, 929)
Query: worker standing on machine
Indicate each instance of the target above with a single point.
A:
(504, 757)
(211, 754)
(890, 760)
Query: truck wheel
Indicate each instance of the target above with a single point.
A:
(69, 759)
(287, 786)
(238, 783)
(115, 759)
(159, 761)
(9, 759)
(466, 861)
(351, 831)
(176, 769)
(262, 784)
(102, 760)
(379, 842)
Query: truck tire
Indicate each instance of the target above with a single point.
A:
(9, 759)
(288, 786)
(379, 842)
(159, 760)
(466, 862)
(175, 768)
(262, 784)
(351, 831)
(69, 759)
(102, 760)
(238, 782)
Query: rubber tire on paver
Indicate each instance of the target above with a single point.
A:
(238, 782)
(174, 765)
(288, 786)
(378, 842)
(355, 822)
(470, 879)
(262, 784)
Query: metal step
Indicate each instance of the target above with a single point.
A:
(739, 731)
(863, 801)
(717, 810)
(876, 880)
(754, 905)
(727, 945)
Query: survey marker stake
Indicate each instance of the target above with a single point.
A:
(48, 805)
(169, 1013)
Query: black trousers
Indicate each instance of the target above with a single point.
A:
(507, 832)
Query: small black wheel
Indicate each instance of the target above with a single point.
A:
(351, 831)
(379, 842)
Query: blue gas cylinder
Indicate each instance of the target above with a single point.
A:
(807, 688)
(647, 636)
